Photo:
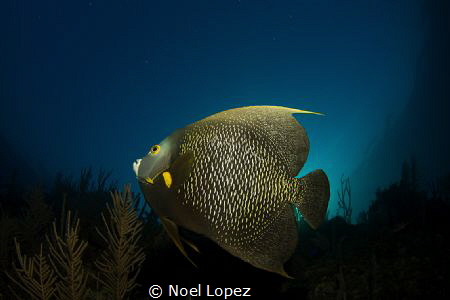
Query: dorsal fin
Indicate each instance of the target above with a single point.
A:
(279, 124)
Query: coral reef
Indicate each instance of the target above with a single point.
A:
(399, 248)
(59, 263)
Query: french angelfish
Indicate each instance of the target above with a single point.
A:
(230, 177)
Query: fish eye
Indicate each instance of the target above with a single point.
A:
(155, 149)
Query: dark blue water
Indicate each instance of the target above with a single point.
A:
(96, 83)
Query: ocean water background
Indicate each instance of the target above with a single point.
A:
(97, 83)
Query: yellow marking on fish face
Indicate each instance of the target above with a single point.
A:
(155, 149)
(167, 179)
(149, 180)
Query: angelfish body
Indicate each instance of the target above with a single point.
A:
(230, 177)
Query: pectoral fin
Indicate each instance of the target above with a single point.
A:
(179, 170)
(172, 230)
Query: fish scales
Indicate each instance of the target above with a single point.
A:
(233, 180)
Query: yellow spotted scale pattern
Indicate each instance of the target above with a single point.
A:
(239, 182)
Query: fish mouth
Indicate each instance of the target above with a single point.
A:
(149, 180)
(136, 165)
(146, 180)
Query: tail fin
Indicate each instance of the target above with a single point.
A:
(312, 195)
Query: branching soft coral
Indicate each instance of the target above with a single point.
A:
(58, 270)
(66, 251)
(34, 275)
(120, 263)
